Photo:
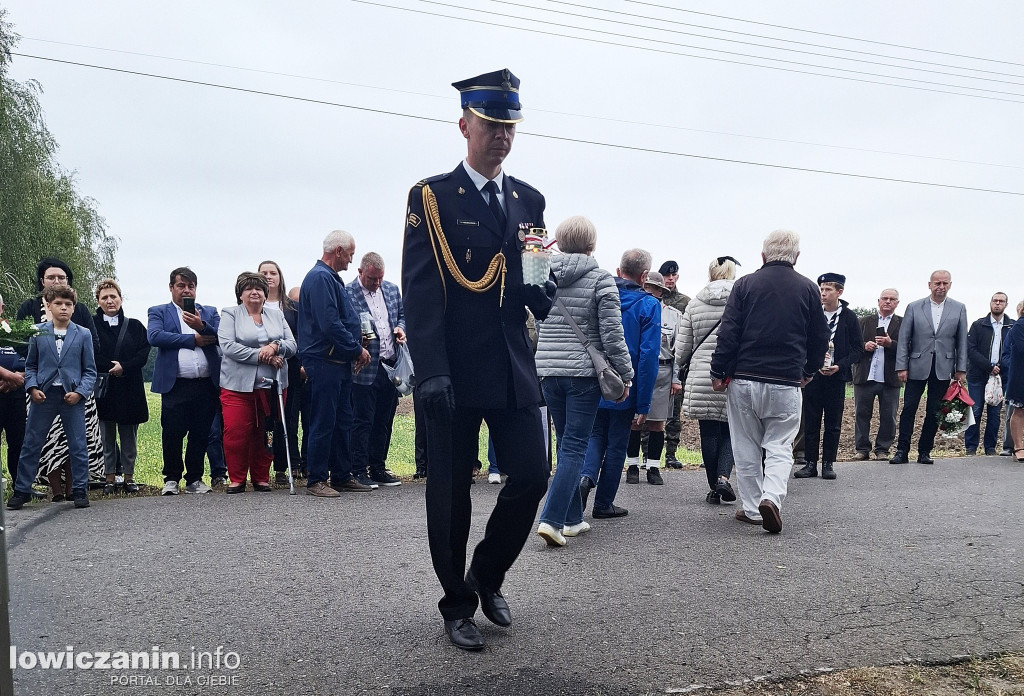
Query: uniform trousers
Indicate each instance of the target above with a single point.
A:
(864, 396)
(674, 426)
(519, 443)
(187, 411)
(12, 424)
(824, 398)
(764, 417)
(911, 400)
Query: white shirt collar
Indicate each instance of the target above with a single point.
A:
(936, 304)
(479, 180)
(994, 322)
(112, 321)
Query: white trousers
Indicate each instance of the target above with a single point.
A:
(762, 417)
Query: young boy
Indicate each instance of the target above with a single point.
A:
(826, 393)
(60, 374)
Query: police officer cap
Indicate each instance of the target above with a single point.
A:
(668, 268)
(832, 278)
(493, 96)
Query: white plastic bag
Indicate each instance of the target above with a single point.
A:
(401, 374)
(994, 390)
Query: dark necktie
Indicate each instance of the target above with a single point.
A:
(495, 205)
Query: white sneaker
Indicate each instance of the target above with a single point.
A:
(170, 488)
(495, 478)
(197, 487)
(576, 529)
(551, 535)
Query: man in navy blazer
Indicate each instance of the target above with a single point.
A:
(932, 348)
(374, 397)
(60, 374)
(186, 374)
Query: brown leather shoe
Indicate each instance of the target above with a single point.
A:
(771, 520)
(742, 517)
(321, 490)
(861, 457)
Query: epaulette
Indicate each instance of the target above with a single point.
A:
(432, 179)
(523, 183)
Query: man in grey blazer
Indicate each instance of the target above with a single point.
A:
(932, 347)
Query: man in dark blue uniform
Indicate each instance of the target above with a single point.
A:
(465, 306)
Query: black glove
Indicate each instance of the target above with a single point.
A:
(438, 396)
(540, 298)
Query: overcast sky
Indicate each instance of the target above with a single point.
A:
(219, 180)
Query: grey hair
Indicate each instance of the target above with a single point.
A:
(941, 270)
(338, 238)
(576, 235)
(372, 259)
(893, 290)
(722, 271)
(635, 262)
(781, 245)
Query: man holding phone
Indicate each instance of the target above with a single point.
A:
(874, 377)
(186, 375)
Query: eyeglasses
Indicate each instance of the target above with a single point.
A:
(55, 277)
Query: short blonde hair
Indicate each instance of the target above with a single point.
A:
(722, 271)
(576, 235)
(108, 284)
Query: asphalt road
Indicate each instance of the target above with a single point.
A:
(314, 596)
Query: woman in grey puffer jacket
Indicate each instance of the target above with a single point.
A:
(568, 377)
(701, 402)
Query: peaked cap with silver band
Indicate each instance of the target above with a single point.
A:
(492, 96)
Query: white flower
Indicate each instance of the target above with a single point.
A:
(5, 326)
(954, 417)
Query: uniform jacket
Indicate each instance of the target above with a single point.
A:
(396, 319)
(641, 327)
(700, 401)
(979, 348)
(676, 300)
(328, 322)
(480, 343)
(772, 329)
(862, 367)
(164, 333)
(76, 364)
(240, 344)
(590, 295)
(847, 346)
(919, 341)
(125, 401)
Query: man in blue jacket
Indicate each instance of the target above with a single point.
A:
(641, 326)
(330, 348)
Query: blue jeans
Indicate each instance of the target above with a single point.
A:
(492, 458)
(992, 419)
(572, 403)
(606, 453)
(40, 417)
(330, 390)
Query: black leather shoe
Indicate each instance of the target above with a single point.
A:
(18, 500)
(827, 472)
(464, 634)
(491, 601)
(899, 457)
(725, 491)
(613, 511)
(420, 473)
(632, 474)
(672, 462)
(923, 458)
(809, 470)
(714, 498)
(586, 485)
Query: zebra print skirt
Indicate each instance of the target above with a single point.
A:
(55, 449)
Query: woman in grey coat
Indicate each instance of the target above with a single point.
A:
(695, 346)
(256, 341)
(568, 377)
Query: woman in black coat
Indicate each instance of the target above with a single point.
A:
(55, 459)
(124, 406)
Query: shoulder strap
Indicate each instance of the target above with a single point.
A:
(120, 336)
(572, 322)
(701, 342)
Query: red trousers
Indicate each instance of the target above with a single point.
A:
(245, 450)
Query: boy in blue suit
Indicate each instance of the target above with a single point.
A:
(60, 374)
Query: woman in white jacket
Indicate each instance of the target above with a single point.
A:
(694, 347)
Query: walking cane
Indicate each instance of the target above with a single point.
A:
(284, 433)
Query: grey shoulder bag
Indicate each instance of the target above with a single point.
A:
(612, 386)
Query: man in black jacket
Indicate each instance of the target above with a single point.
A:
(826, 394)
(984, 341)
(772, 342)
(875, 377)
(465, 311)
